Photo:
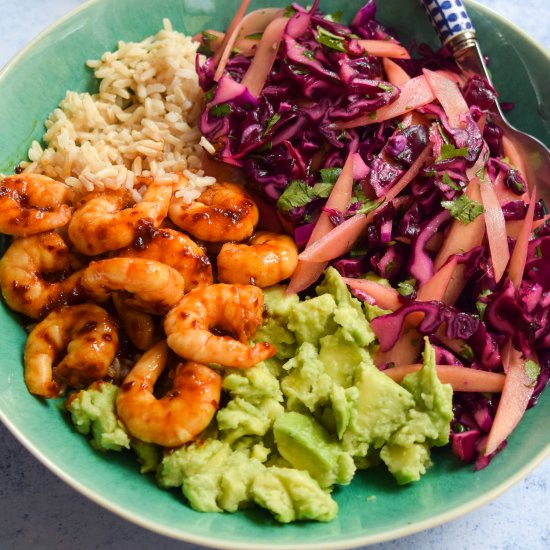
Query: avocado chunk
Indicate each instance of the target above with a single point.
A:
(93, 412)
(306, 445)
(292, 495)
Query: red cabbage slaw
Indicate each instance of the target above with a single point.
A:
(392, 170)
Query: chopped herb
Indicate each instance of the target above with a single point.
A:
(220, 110)
(267, 146)
(330, 175)
(449, 151)
(538, 251)
(255, 36)
(447, 180)
(407, 287)
(481, 173)
(372, 115)
(463, 209)
(442, 133)
(330, 40)
(289, 11)
(467, 353)
(400, 126)
(385, 87)
(342, 135)
(482, 306)
(207, 38)
(300, 71)
(236, 50)
(532, 370)
(210, 94)
(408, 107)
(299, 193)
(415, 342)
(271, 122)
(390, 267)
(368, 206)
(357, 252)
(335, 17)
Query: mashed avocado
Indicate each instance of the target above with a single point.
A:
(303, 421)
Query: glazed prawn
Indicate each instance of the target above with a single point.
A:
(267, 259)
(38, 274)
(180, 415)
(233, 309)
(108, 220)
(224, 212)
(33, 203)
(177, 250)
(155, 287)
(139, 326)
(88, 337)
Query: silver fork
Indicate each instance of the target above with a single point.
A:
(456, 31)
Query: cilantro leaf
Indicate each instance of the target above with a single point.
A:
(299, 193)
(407, 287)
(449, 151)
(289, 11)
(330, 175)
(330, 40)
(532, 370)
(255, 36)
(463, 209)
(220, 110)
(271, 122)
(447, 180)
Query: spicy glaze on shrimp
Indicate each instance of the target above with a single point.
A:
(223, 212)
(267, 259)
(87, 337)
(175, 249)
(140, 327)
(38, 274)
(177, 417)
(195, 326)
(33, 203)
(153, 287)
(109, 220)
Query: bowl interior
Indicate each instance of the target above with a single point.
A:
(373, 507)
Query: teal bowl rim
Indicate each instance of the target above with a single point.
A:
(208, 542)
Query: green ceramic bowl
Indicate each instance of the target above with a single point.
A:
(373, 508)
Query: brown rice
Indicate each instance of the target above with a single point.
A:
(142, 121)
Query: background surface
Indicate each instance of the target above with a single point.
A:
(39, 511)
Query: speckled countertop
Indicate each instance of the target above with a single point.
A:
(39, 511)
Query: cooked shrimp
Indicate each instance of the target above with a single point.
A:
(38, 274)
(108, 220)
(139, 326)
(233, 309)
(178, 417)
(224, 212)
(32, 203)
(88, 337)
(177, 250)
(155, 287)
(267, 259)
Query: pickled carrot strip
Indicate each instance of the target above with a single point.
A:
(394, 73)
(262, 62)
(414, 94)
(384, 296)
(449, 95)
(496, 229)
(460, 378)
(384, 48)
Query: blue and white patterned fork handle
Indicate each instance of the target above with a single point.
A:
(449, 18)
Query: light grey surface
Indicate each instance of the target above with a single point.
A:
(39, 511)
